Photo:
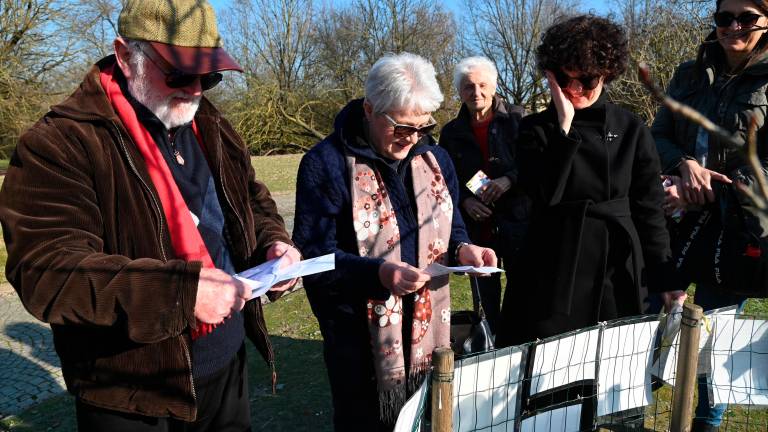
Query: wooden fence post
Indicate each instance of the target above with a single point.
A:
(687, 362)
(442, 390)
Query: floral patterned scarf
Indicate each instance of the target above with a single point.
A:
(378, 236)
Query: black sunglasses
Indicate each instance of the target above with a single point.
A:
(404, 131)
(587, 82)
(745, 20)
(178, 79)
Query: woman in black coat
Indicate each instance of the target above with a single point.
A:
(597, 239)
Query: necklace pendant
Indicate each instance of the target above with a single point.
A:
(179, 159)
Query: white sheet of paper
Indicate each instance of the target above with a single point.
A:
(565, 360)
(739, 360)
(624, 380)
(566, 419)
(486, 391)
(409, 419)
(262, 277)
(436, 269)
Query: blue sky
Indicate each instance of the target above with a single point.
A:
(598, 6)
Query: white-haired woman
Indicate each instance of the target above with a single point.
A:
(482, 138)
(379, 194)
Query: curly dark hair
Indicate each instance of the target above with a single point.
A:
(587, 44)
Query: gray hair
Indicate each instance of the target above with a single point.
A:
(403, 81)
(138, 59)
(470, 64)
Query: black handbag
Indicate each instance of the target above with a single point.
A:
(723, 246)
(470, 332)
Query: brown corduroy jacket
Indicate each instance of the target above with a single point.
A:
(89, 251)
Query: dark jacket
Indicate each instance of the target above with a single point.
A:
(323, 221)
(459, 140)
(597, 238)
(89, 251)
(728, 102)
(339, 298)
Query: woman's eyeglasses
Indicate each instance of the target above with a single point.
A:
(587, 82)
(404, 131)
(745, 20)
(177, 79)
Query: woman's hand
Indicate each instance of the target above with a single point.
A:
(673, 200)
(565, 110)
(476, 256)
(697, 182)
(673, 297)
(401, 278)
(290, 256)
(475, 209)
(492, 190)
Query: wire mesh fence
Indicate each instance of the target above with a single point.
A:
(618, 375)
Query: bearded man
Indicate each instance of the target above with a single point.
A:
(125, 210)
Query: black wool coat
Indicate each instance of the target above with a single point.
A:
(597, 241)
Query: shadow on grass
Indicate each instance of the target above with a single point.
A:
(303, 399)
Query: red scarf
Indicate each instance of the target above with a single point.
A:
(187, 243)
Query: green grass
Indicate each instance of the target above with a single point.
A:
(278, 172)
(4, 164)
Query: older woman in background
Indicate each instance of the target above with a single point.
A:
(597, 239)
(727, 83)
(379, 194)
(482, 138)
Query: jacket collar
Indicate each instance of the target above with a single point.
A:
(498, 107)
(758, 68)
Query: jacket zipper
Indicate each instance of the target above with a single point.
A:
(226, 195)
(189, 363)
(157, 208)
(155, 204)
(260, 322)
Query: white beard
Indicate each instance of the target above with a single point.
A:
(181, 112)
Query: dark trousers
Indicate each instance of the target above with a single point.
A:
(222, 406)
(349, 361)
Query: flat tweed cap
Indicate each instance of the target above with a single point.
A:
(183, 32)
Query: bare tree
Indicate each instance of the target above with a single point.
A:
(34, 48)
(508, 32)
(352, 38)
(661, 34)
(302, 67)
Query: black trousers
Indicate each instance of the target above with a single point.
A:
(222, 406)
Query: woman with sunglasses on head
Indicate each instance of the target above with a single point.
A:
(380, 195)
(727, 83)
(597, 239)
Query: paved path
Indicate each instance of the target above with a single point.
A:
(29, 368)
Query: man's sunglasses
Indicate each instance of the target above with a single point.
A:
(404, 131)
(177, 79)
(745, 20)
(587, 82)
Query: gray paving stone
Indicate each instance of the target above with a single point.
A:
(30, 371)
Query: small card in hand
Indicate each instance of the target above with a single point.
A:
(477, 182)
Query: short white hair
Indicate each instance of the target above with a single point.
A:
(470, 64)
(403, 82)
